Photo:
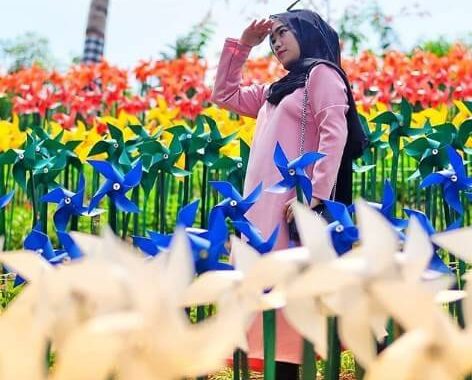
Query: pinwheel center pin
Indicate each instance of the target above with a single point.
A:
(339, 228)
(45, 170)
(165, 156)
(435, 151)
(291, 172)
(239, 165)
(115, 145)
(233, 203)
(116, 186)
(37, 149)
(21, 156)
(189, 136)
(209, 139)
(203, 254)
(67, 200)
(453, 178)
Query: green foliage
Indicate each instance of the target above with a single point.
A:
(194, 42)
(25, 50)
(356, 17)
(439, 47)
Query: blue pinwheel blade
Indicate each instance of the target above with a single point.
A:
(133, 177)
(122, 203)
(59, 256)
(254, 195)
(252, 233)
(306, 159)
(339, 212)
(187, 214)
(226, 189)
(269, 244)
(422, 219)
(39, 242)
(146, 245)
(432, 179)
(437, 265)
(160, 240)
(69, 245)
(97, 197)
(457, 163)
(343, 240)
(107, 169)
(306, 186)
(217, 232)
(6, 198)
(62, 217)
(282, 186)
(54, 196)
(280, 159)
(388, 199)
(452, 197)
(81, 183)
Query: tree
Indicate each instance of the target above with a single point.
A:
(194, 41)
(25, 50)
(95, 31)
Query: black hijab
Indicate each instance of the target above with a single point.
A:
(319, 44)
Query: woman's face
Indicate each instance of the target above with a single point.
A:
(284, 44)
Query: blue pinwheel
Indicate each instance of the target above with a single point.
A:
(255, 238)
(156, 242)
(234, 206)
(208, 246)
(293, 172)
(386, 208)
(69, 245)
(453, 180)
(4, 200)
(40, 243)
(208, 258)
(435, 264)
(116, 185)
(69, 203)
(343, 231)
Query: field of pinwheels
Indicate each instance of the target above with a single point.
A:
(121, 195)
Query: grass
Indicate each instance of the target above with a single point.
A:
(347, 370)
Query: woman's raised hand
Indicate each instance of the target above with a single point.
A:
(256, 32)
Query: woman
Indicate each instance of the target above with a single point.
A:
(309, 49)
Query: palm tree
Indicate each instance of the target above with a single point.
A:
(95, 32)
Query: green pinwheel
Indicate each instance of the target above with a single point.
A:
(193, 142)
(214, 140)
(156, 157)
(459, 136)
(375, 141)
(400, 125)
(430, 151)
(118, 150)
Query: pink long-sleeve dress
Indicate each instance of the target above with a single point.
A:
(326, 132)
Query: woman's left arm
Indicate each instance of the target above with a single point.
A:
(329, 104)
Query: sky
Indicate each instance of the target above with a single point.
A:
(140, 29)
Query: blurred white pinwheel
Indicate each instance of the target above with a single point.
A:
(341, 286)
(254, 282)
(458, 242)
(433, 346)
(157, 341)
